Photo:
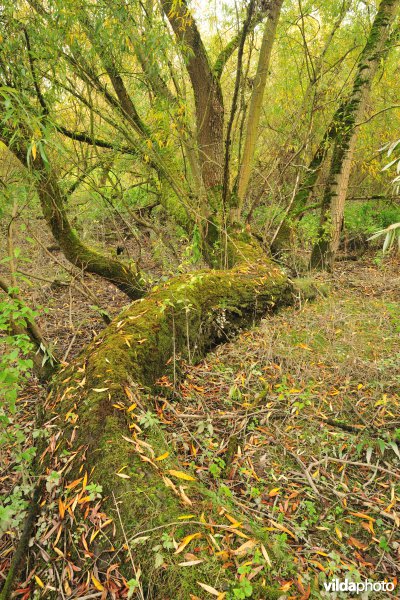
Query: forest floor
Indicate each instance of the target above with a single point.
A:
(295, 423)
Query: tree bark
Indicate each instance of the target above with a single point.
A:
(125, 277)
(256, 105)
(281, 240)
(207, 93)
(325, 249)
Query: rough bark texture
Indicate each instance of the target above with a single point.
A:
(325, 249)
(207, 93)
(186, 316)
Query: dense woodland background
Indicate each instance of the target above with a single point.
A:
(172, 173)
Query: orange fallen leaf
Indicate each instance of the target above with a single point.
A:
(357, 543)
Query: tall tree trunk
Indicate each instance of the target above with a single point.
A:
(300, 199)
(332, 211)
(207, 93)
(255, 107)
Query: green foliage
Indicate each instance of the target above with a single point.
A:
(148, 420)
(244, 589)
(367, 217)
(15, 365)
(15, 370)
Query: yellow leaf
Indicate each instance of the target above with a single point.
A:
(319, 565)
(123, 475)
(132, 407)
(234, 521)
(186, 540)
(339, 533)
(163, 456)
(94, 535)
(34, 150)
(286, 586)
(106, 523)
(238, 533)
(84, 500)
(282, 528)
(96, 583)
(274, 492)
(39, 581)
(98, 390)
(362, 516)
(186, 517)
(184, 497)
(242, 550)
(181, 475)
(58, 551)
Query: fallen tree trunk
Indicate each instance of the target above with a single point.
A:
(99, 400)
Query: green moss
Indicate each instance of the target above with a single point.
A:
(123, 362)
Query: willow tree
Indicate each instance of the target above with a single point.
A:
(122, 117)
(78, 57)
(344, 137)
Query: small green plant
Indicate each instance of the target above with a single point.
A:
(132, 584)
(148, 420)
(217, 467)
(95, 490)
(244, 589)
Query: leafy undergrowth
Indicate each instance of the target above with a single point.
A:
(293, 428)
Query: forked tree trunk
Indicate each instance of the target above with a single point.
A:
(97, 395)
(332, 210)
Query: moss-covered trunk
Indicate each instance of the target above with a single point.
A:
(125, 277)
(102, 394)
(332, 210)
